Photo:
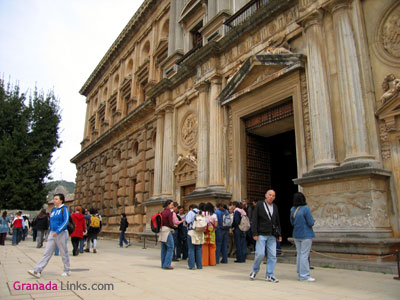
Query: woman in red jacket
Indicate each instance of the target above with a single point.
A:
(80, 229)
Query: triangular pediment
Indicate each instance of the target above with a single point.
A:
(390, 108)
(184, 165)
(257, 71)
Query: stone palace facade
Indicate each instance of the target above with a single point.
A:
(201, 101)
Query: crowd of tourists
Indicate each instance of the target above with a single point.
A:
(202, 235)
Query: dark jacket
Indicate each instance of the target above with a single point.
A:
(261, 223)
(42, 223)
(124, 224)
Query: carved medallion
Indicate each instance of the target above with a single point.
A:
(387, 36)
(189, 130)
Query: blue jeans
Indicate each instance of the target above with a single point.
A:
(260, 253)
(241, 245)
(167, 251)
(303, 247)
(81, 245)
(194, 254)
(17, 235)
(122, 239)
(222, 236)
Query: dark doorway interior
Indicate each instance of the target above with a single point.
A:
(271, 164)
(283, 171)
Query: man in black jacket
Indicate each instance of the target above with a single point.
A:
(122, 227)
(266, 230)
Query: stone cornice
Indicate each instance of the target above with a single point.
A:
(137, 113)
(118, 45)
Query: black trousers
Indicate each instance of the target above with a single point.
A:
(75, 245)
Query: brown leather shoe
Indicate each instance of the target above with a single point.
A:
(94, 251)
(169, 268)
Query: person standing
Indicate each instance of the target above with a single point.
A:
(166, 238)
(41, 224)
(195, 239)
(302, 221)
(240, 236)
(181, 249)
(222, 233)
(122, 227)
(58, 237)
(209, 246)
(4, 227)
(18, 225)
(80, 229)
(266, 230)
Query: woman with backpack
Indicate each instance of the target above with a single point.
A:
(302, 221)
(195, 238)
(240, 236)
(94, 229)
(209, 246)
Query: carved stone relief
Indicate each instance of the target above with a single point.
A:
(387, 36)
(390, 86)
(385, 143)
(189, 130)
(186, 168)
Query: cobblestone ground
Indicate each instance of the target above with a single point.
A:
(135, 273)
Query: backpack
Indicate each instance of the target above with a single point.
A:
(156, 222)
(244, 224)
(94, 221)
(71, 224)
(226, 221)
(200, 223)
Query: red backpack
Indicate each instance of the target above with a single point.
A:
(156, 222)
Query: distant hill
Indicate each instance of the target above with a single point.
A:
(70, 186)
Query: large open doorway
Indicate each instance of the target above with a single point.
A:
(271, 160)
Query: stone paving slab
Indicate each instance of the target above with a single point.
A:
(135, 273)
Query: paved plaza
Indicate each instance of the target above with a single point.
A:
(135, 273)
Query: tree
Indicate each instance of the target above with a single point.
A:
(29, 135)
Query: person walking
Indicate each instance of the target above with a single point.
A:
(41, 224)
(122, 227)
(166, 238)
(4, 227)
(18, 226)
(266, 230)
(94, 229)
(302, 221)
(80, 229)
(58, 237)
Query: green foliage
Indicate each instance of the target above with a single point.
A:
(28, 137)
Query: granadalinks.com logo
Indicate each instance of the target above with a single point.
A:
(62, 286)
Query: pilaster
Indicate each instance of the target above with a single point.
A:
(158, 155)
(168, 155)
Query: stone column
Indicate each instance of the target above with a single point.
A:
(211, 9)
(216, 159)
(202, 150)
(172, 27)
(168, 155)
(158, 155)
(178, 28)
(319, 99)
(350, 90)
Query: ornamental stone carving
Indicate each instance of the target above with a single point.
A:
(391, 87)
(189, 130)
(387, 36)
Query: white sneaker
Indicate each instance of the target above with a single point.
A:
(272, 279)
(310, 279)
(34, 274)
(253, 275)
(66, 273)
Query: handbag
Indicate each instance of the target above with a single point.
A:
(276, 232)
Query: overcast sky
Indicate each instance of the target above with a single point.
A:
(55, 45)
